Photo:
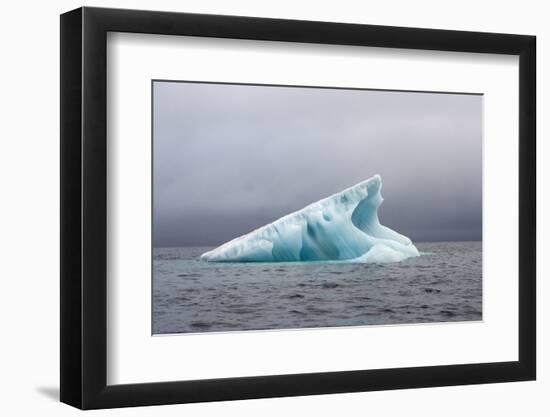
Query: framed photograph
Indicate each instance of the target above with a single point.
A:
(258, 208)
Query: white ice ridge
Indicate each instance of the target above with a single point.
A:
(342, 227)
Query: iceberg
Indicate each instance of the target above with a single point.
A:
(342, 227)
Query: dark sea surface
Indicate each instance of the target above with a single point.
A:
(190, 295)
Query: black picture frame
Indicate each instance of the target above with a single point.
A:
(84, 207)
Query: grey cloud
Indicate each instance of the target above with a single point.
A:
(230, 158)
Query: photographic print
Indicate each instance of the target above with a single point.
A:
(292, 207)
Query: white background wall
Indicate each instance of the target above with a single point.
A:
(29, 226)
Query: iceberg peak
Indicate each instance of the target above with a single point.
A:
(341, 227)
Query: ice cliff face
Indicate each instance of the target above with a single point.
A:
(342, 227)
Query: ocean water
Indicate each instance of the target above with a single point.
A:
(190, 295)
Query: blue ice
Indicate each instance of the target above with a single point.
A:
(342, 227)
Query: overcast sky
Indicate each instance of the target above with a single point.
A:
(230, 158)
